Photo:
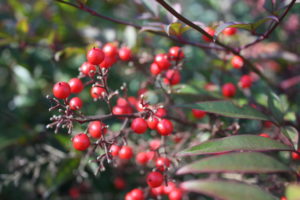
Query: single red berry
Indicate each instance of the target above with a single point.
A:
(74, 192)
(154, 69)
(154, 179)
(128, 196)
(81, 142)
(245, 81)
(125, 54)
(164, 127)
(125, 152)
(133, 101)
(139, 125)
(176, 53)
(114, 150)
(97, 92)
(110, 50)
(122, 102)
(151, 155)
(137, 194)
(296, 156)
(264, 135)
(211, 32)
(229, 31)
(177, 138)
(171, 186)
(95, 56)
(152, 122)
(228, 90)
(283, 198)
(162, 61)
(175, 194)
(199, 114)
(119, 183)
(88, 69)
(172, 77)
(161, 112)
(267, 124)
(142, 158)
(122, 110)
(61, 90)
(108, 62)
(154, 144)
(162, 163)
(157, 191)
(96, 129)
(75, 103)
(237, 62)
(76, 85)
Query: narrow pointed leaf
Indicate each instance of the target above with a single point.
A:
(229, 109)
(227, 190)
(246, 162)
(236, 143)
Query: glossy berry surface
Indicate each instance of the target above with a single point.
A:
(199, 114)
(171, 186)
(96, 129)
(245, 81)
(76, 85)
(61, 90)
(110, 50)
(154, 179)
(176, 53)
(142, 158)
(165, 127)
(97, 92)
(264, 135)
(228, 90)
(175, 194)
(126, 152)
(139, 125)
(161, 112)
(237, 62)
(88, 69)
(125, 54)
(119, 183)
(296, 156)
(211, 32)
(152, 122)
(154, 69)
(137, 194)
(114, 150)
(162, 61)
(75, 103)
(162, 163)
(81, 142)
(107, 62)
(95, 56)
(172, 77)
(157, 191)
(229, 31)
(154, 144)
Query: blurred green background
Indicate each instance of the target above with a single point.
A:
(42, 42)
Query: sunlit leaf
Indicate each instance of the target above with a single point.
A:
(293, 192)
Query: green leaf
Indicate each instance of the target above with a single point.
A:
(292, 134)
(236, 143)
(227, 190)
(245, 162)
(293, 192)
(176, 29)
(229, 109)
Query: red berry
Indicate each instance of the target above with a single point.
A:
(229, 31)
(110, 50)
(125, 152)
(154, 69)
(264, 135)
(137, 194)
(267, 124)
(96, 129)
(76, 85)
(142, 158)
(283, 198)
(162, 163)
(119, 183)
(199, 114)
(237, 62)
(154, 144)
(133, 101)
(125, 54)
(164, 127)
(81, 142)
(228, 90)
(88, 69)
(296, 156)
(108, 62)
(74, 193)
(97, 92)
(114, 150)
(175, 194)
(161, 112)
(245, 81)
(139, 125)
(75, 103)
(157, 191)
(95, 56)
(152, 122)
(61, 90)
(172, 77)
(171, 186)
(128, 196)
(176, 53)
(122, 102)
(211, 32)
(155, 179)
(162, 61)
(151, 155)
